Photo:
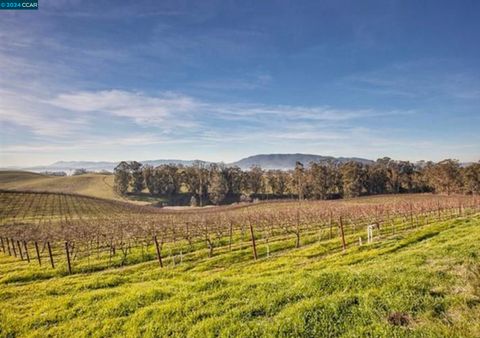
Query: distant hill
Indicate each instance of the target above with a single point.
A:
(288, 161)
(96, 185)
(266, 161)
(70, 166)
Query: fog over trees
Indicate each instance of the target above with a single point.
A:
(218, 183)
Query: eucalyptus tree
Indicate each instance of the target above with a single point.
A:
(353, 176)
(122, 177)
(471, 178)
(137, 180)
(218, 185)
(299, 176)
(255, 179)
(149, 178)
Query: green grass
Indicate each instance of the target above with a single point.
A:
(95, 185)
(420, 283)
(91, 184)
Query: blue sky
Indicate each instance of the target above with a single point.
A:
(221, 80)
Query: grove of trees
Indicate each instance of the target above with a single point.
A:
(218, 183)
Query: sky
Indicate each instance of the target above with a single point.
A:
(221, 80)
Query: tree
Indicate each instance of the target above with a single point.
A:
(173, 176)
(317, 178)
(122, 177)
(149, 178)
(137, 181)
(255, 179)
(444, 176)
(234, 177)
(160, 179)
(471, 178)
(282, 179)
(406, 172)
(334, 179)
(392, 171)
(195, 177)
(376, 178)
(276, 182)
(168, 179)
(218, 186)
(299, 176)
(353, 178)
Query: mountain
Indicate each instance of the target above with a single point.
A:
(70, 166)
(266, 161)
(288, 161)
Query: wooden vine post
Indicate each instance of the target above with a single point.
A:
(12, 242)
(297, 230)
(69, 265)
(344, 245)
(26, 251)
(50, 254)
(230, 236)
(159, 254)
(331, 225)
(20, 250)
(38, 254)
(254, 247)
(8, 247)
(411, 215)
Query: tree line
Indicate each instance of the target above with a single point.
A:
(218, 183)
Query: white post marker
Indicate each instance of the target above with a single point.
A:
(370, 233)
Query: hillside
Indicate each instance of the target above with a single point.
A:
(36, 207)
(95, 185)
(266, 161)
(419, 283)
(288, 161)
(69, 166)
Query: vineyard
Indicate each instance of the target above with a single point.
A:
(73, 233)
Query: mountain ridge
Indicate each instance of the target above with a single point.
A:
(266, 161)
(288, 161)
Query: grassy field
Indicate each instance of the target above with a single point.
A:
(92, 184)
(95, 185)
(420, 283)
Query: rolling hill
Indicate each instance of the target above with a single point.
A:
(288, 161)
(95, 185)
(266, 161)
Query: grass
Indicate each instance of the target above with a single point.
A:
(420, 283)
(35, 207)
(94, 185)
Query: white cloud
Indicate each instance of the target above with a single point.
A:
(179, 109)
(173, 123)
(34, 117)
(143, 109)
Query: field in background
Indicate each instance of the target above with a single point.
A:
(92, 184)
(95, 185)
